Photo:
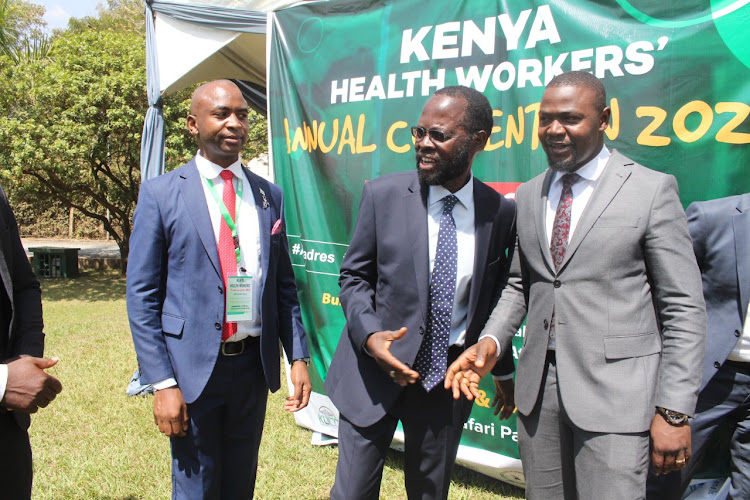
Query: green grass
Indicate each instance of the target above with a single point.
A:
(94, 442)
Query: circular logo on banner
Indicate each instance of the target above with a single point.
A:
(310, 34)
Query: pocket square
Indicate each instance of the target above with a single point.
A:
(276, 229)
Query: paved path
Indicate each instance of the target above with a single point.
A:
(97, 249)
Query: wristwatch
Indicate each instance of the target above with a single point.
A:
(672, 417)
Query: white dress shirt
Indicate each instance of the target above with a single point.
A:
(582, 190)
(741, 351)
(463, 215)
(248, 231)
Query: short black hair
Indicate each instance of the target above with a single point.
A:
(478, 114)
(582, 79)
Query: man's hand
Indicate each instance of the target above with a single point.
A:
(28, 387)
(670, 445)
(170, 412)
(302, 387)
(379, 344)
(504, 400)
(464, 374)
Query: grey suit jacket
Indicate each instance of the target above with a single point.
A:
(629, 309)
(25, 334)
(385, 285)
(721, 240)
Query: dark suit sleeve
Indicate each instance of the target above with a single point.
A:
(146, 283)
(291, 330)
(27, 324)
(359, 275)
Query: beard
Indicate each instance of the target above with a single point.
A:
(566, 166)
(445, 169)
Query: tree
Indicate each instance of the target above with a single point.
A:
(71, 125)
(22, 36)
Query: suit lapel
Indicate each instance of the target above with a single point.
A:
(540, 218)
(741, 226)
(415, 204)
(261, 196)
(612, 179)
(191, 188)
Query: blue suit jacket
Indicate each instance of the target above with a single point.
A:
(175, 293)
(385, 285)
(721, 240)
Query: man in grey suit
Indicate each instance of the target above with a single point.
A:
(24, 385)
(406, 319)
(721, 240)
(605, 274)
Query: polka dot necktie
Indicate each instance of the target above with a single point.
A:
(227, 255)
(560, 233)
(432, 359)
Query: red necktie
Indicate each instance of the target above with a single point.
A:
(227, 255)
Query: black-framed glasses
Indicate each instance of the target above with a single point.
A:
(435, 135)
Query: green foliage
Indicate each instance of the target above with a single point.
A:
(71, 119)
(71, 124)
(22, 37)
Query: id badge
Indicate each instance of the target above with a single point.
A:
(240, 298)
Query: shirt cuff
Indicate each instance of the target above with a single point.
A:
(3, 380)
(497, 342)
(165, 384)
(502, 377)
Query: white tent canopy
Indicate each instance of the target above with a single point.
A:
(193, 41)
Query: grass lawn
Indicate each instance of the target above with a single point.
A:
(94, 442)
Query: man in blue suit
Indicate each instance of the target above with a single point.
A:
(721, 239)
(209, 244)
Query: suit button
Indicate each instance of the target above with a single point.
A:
(421, 330)
(557, 284)
(546, 324)
(217, 326)
(221, 291)
(736, 333)
(717, 365)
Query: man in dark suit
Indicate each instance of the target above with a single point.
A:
(210, 294)
(616, 321)
(24, 386)
(721, 239)
(426, 259)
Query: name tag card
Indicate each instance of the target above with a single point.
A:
(240, 298)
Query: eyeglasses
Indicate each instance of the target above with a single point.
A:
(435, 135)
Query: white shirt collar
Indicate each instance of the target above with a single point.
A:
(211, 170)
(465, 195)
(592, 170)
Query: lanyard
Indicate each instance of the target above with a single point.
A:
(225, 213)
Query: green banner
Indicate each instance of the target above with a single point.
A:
(347, 79)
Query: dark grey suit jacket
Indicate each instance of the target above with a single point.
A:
(385, 285)
(721, 240)
(630, 316)
(24, 335)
